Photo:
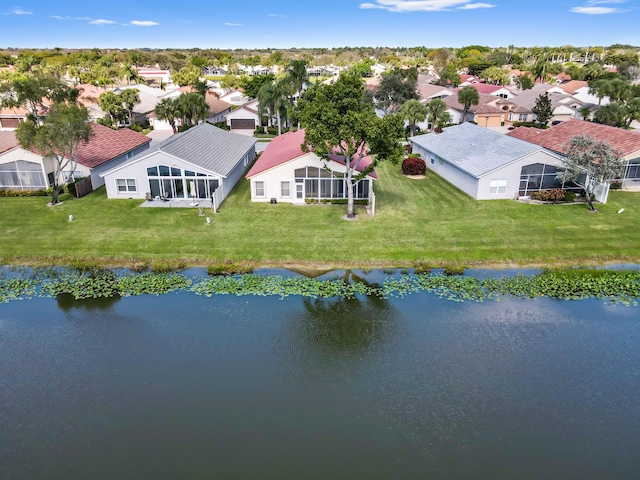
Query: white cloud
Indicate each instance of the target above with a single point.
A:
(591, 7)
(144, 23)
(102, 21)
(424, 5)
(229, 24)
(58, 17)
(276, 15)
(20, 11)
(473, 6)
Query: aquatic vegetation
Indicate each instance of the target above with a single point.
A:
(620, 286)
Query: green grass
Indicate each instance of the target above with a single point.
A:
(426, 222)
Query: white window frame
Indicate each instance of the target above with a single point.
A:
(259, 185)
(497, 186)
(522, 117)
(130, 185)
(287, 186)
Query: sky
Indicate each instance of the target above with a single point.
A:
(316, 23)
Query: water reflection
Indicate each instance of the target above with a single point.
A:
(347, 325)
(67, 302)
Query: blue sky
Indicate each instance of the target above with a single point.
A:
(316, 23)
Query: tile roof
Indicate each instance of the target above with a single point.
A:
(572, 85)
(287, 147)
(8, 141)
(487, 89)
(216, 105)
(555, 137)
(426, 91)
(206, 146)
(452, 102)
(107, 144)
(475, 150)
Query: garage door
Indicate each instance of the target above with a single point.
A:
(9, 122)
(243, 124)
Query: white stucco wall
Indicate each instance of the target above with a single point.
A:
(286, 173)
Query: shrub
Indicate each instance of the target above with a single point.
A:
(272, 130)
(615, 185)
(414, 166)
(556, 195)
(23, 193)
(569, 196)
(527, 124)
(450, 270)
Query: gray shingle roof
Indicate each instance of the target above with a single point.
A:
(208, 147)
(474, 149)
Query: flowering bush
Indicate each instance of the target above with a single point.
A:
(414, 166)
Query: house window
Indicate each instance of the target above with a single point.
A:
(522, 117)
(285, 189)
(433, 161)
(498, 186)
(126, 185)
(71, 175)
(259, 189)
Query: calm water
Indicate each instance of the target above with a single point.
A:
(183, 387)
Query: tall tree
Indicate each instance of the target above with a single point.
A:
(449, 76)
(340, 124)
(495, 75)
(413, 112)
(29, 91)
(467, 96)
(192, 109)
(524, 82)
(599, 88)
(543, 110)
(59, 136)
(111, 104)
(297, 72)
(394, 90)
(437, 114)
(129, 98)
(167, 109)
(589, 163)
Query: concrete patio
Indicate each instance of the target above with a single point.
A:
(177, 203)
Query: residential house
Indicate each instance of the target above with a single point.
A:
(235, 97)
(520, 107)
(495, 90)
(625, 141)
(106, 149)
(428, 92)
(486, 113)
(204, 162)
(488, 165)
(155, 76)
(244, 120)
(286, 173)
(218, 109)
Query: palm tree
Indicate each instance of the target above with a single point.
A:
(297, 72)
(167, 109)
(414, 112)
(437, 114)
(467, 96)
(129, 73)
(129, 98)
(266, 101)
(111, 104)
(192, 108)
(599, 88)
(273, 97)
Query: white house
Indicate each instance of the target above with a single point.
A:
(244, 120)
(204, 160)
(488, 165)
(286, 173)
(106, 149)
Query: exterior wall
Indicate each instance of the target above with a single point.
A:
(97, 180)
(511, 173)
(286, 173)
(488, 120)
(227, 185)
(453, 175)
(514, 117)
(478, 188)
(241, 113)
(16, 154)
(455, 115)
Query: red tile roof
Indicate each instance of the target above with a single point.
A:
(572, 85)
(8, 141)
(107, 144)
(555, 137)
(287, 147)
(485, 88)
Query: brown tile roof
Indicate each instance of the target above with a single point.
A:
(216, 105)
(107, 144)
(555, 137)
(452, 102)
(8, 141)
(572, 85)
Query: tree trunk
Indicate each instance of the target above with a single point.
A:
(279, 126)
(350, 206)
(55, 193)
(464, 114)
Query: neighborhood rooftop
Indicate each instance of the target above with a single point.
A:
(107, 144)
(555, 137)
(474, 149)
(206, 146)
(8, 141)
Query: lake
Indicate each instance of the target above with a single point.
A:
(185, 386)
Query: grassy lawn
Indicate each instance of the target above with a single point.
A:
(417, 221)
